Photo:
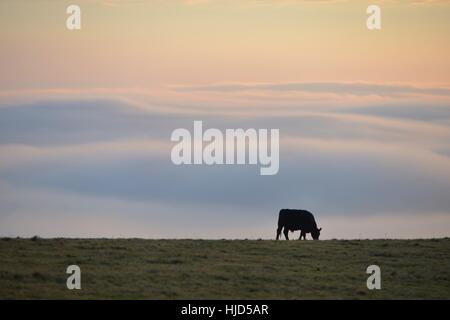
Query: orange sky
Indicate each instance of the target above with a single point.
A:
(159, 43)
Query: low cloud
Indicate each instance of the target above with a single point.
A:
(339, 88)
(103, 167)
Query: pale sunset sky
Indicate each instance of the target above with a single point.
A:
(86, 117)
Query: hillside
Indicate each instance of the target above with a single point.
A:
(217, 269)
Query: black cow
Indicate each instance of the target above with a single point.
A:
(292, 220)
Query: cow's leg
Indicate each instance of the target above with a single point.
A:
(303, 234)
(300, 237)
(286, 233)
(279, 232)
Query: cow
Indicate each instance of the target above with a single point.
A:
(292, 220)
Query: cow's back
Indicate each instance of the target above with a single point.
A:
(295, 219)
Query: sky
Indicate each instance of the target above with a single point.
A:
(86, 117)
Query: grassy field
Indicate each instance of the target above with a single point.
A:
(219, 269)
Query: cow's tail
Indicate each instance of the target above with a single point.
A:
(280, 225)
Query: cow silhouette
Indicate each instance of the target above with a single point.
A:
(293, 220)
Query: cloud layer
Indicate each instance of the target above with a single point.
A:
(72, 167)
(358, 89)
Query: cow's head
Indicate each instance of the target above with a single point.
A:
(316, 233)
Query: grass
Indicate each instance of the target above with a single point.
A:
(224, 269)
